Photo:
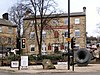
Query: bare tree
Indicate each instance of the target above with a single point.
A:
(42, 10)
(17, 13)
(98, 25)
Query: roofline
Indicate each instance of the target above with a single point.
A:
(8, 25)
(57, 15)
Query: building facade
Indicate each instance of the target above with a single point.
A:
(7, 34)
(55, 33)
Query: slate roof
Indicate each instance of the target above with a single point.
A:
(74, 14)
(5, 22)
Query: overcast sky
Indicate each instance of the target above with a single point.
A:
(92, 15)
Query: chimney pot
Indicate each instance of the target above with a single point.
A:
(5, 16)
(84, 9)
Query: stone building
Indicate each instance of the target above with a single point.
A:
(55, 34)
(7, 34)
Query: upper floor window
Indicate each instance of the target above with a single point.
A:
(66, 33)
(77, 20)
(77, 33)
(0, 28)
(55, 22)
(10, 29)
(32, 35)
(43, 34)
(9, 40)
(66, 21)
(31, 23)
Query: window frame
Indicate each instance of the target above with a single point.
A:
(55, 22)
(77, 20)
(32, 35)
(66, 21)
(66, 33)
(10, 30)
(32, 46)
(1, 29)
(77, 33)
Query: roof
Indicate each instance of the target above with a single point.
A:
(7, 23)
(74, 14)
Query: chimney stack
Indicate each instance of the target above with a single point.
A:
(84, 9)
(5, 16)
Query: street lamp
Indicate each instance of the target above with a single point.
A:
(68, 34)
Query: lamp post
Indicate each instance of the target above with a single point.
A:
(68, 34)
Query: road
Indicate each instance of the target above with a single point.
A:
(70, 73)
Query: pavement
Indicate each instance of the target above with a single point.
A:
(59, 68)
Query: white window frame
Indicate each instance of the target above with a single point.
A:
(43, 51)
(77, 20)
(77, 33)
(66, 21)
(66, 32)
(32, 35)
(44, 34)
(55, 22)
(10, 29)
(31, 23)
(31, 47)
(0, 28)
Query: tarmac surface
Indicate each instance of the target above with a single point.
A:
(59, 68)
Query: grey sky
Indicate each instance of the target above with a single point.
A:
(93, 17)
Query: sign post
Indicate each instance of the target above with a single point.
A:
(24, 62)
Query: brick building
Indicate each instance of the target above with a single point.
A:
(55, 34)
(7, 34)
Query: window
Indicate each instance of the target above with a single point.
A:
(77, 46)
(66, 47)
(10, 30)
(32, 35)
(0, 28)
(9, 40)
(32, 48)
(43, 34)
(66, 21)
(66, 33)
(31, 23)
(43, 51)
(77, 33)
(55, 22)
(56, 34)
(77, 20)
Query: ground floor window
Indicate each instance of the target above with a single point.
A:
(32, 48)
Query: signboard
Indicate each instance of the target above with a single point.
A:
(68, 39)
(24, 61)
(14, 64)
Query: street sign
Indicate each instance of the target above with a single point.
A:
(68, 39)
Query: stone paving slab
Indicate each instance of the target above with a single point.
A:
(59, 68)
